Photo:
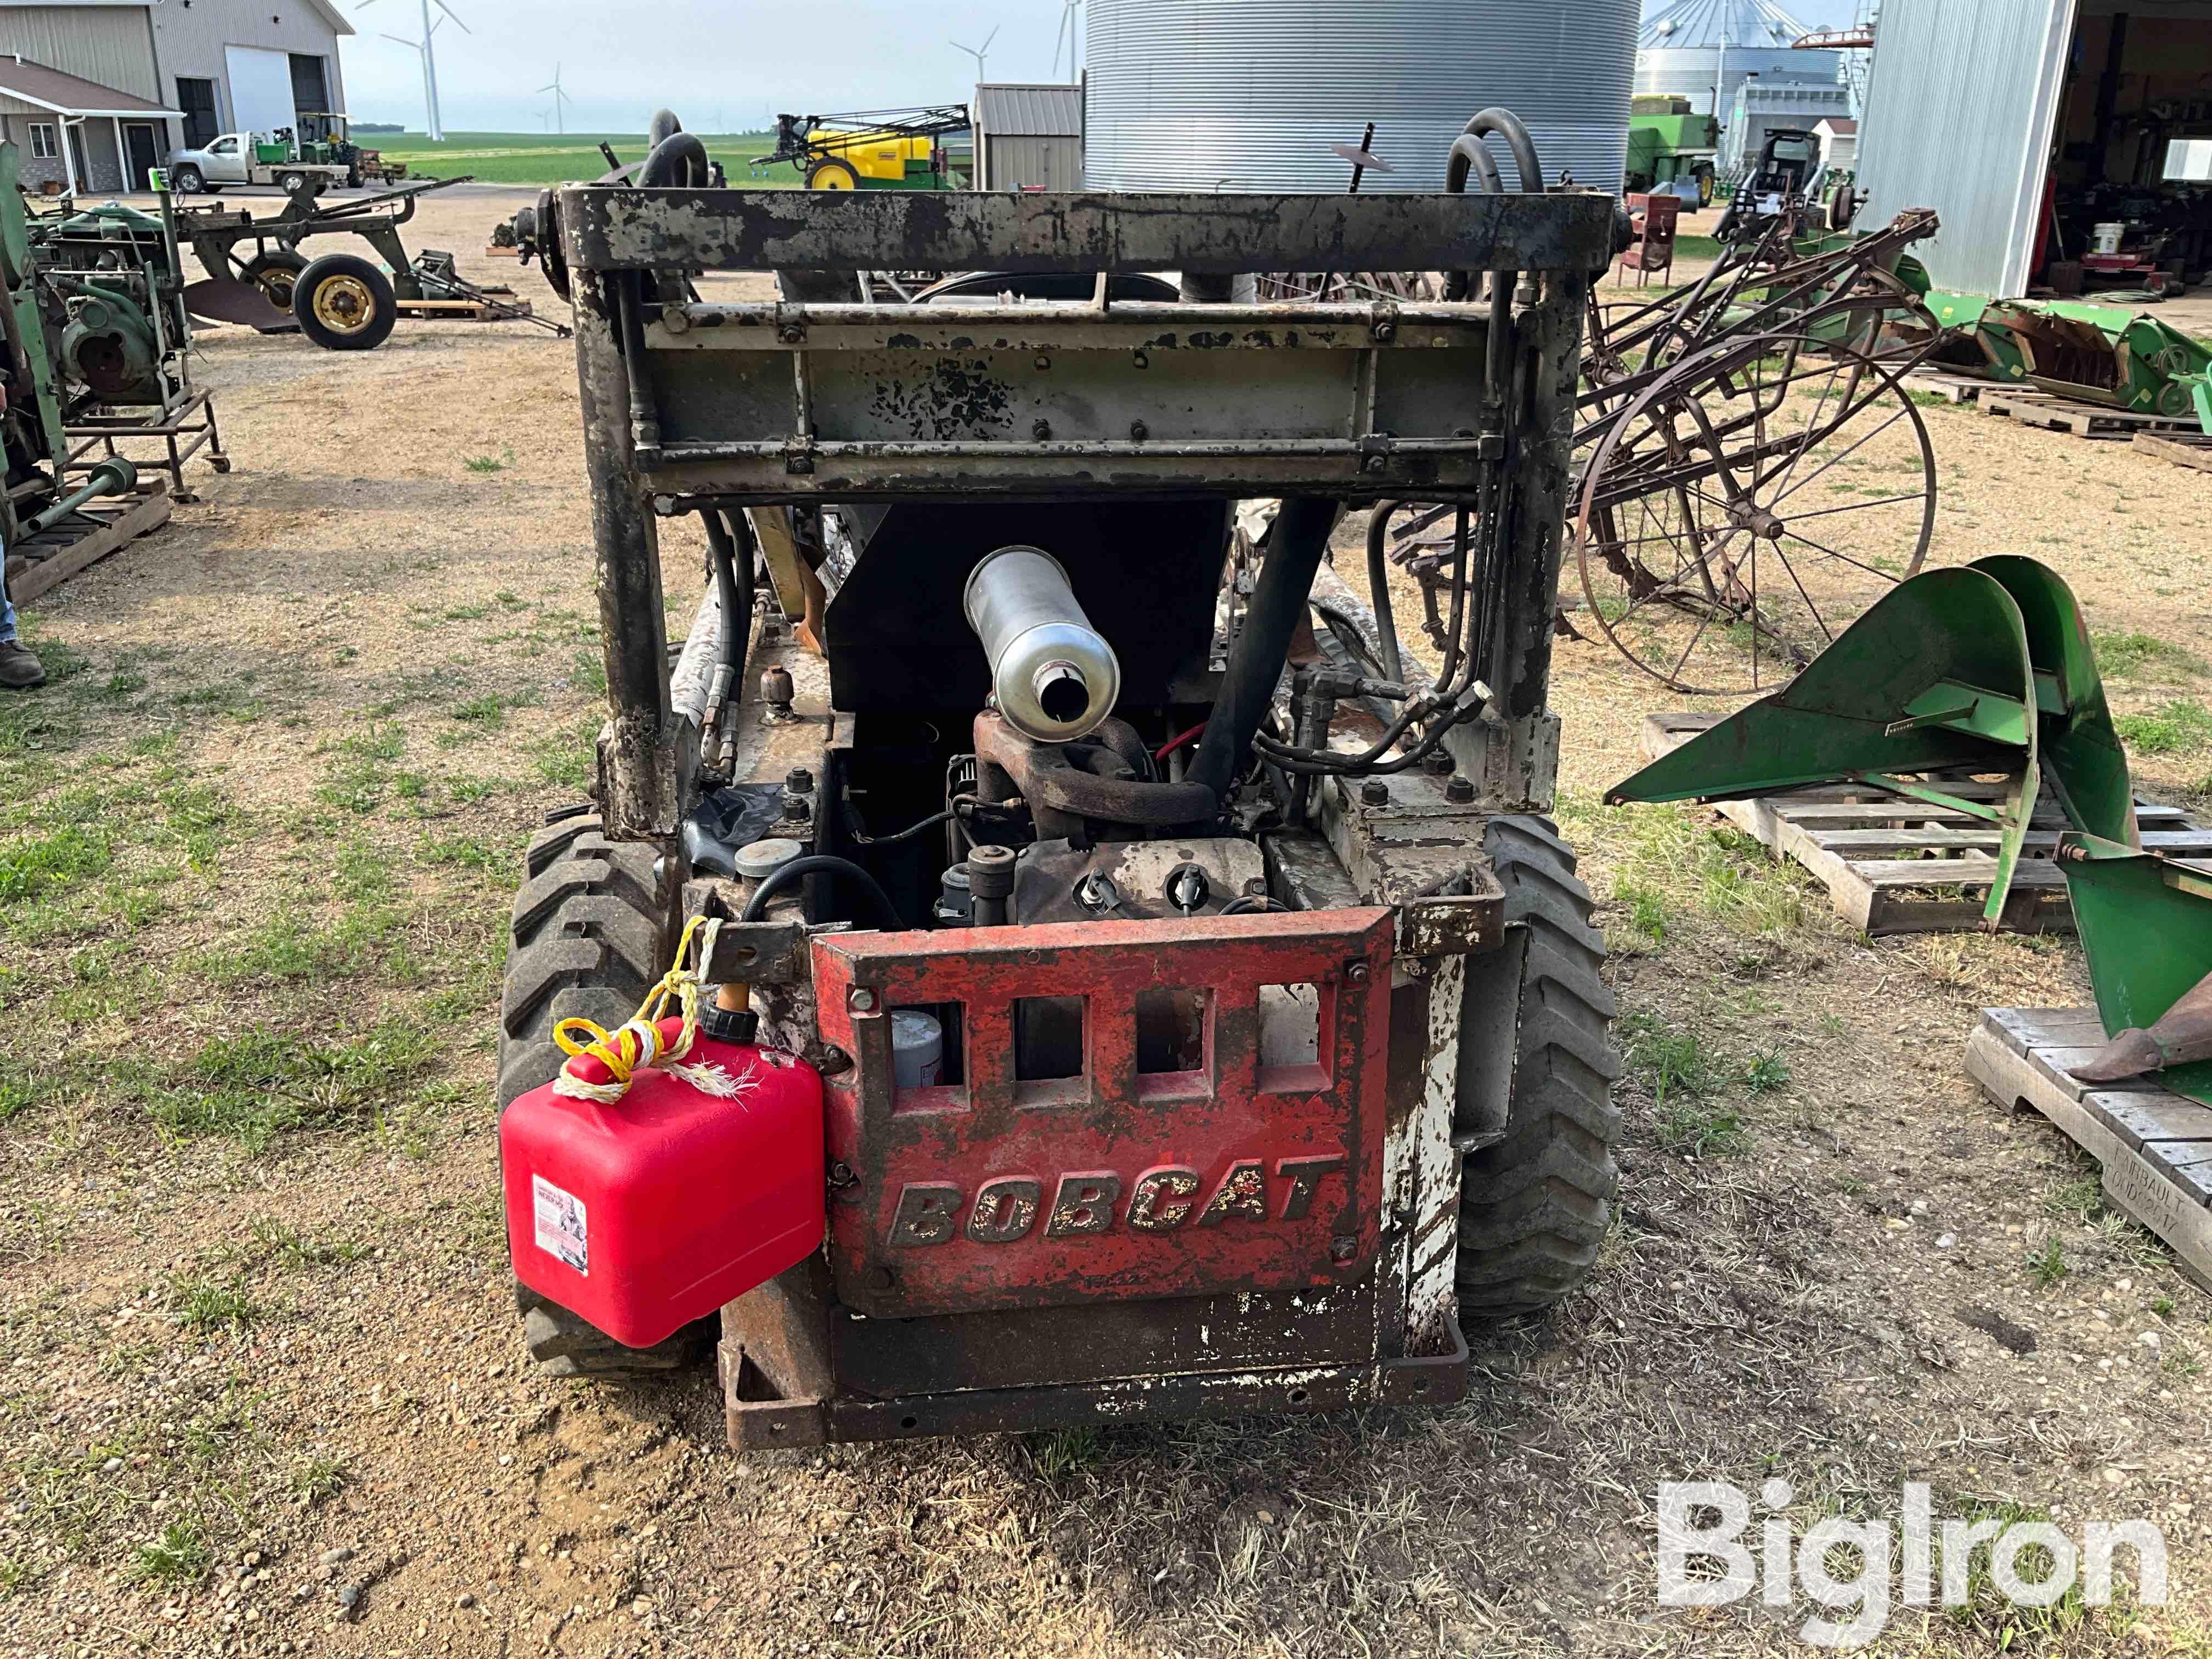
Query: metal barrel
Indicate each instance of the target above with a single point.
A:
(1253, 95)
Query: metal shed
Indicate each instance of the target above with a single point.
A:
(1029, 137)
(2026, 123)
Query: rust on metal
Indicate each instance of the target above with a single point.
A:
(1001, 1192)
(612, 229)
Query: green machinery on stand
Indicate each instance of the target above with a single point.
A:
(96, 355)
(1980, 670)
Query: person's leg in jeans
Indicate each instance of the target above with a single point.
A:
(19, 670)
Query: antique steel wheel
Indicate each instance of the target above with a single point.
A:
(1748, 504)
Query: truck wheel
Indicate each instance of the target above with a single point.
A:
(189, 181)
(1535, 1204)
(587, 941)
(344, 303)
(288, 182)
(565, 1346)
(277, 273)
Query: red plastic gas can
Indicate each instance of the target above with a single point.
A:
(649, 1212)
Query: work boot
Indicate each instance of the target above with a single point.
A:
(19, 670)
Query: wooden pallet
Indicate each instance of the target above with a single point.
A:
(1956, 388)
(2182, 448)
(1893, 866)
(2056, 414)
(2155, 1145)
(43, 562)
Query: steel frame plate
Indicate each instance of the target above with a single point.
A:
(610, 228)
(1005, 1193)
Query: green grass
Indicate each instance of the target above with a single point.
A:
(2047, 1266)
(1675, 865)
(2127, 656)
(178, 1556)
(545, 158)
(2172, 729)
(203, 1302)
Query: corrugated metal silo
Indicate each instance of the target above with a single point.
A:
(1684, 50)
(1249, 94)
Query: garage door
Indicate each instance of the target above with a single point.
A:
(260, 89)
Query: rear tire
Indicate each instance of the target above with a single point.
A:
(565, 1346)
(189, 182)
(833, 174)
(587, 941)
(344, 303)
(1535, 1204)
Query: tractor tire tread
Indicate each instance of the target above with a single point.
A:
(1536, 1205)
(565, 1345)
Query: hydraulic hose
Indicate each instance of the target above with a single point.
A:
(1294, 549)
(1378, 589)
(679, 159)
(733, 586)
(822, 864)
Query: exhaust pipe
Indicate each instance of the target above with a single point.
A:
(1053, 675)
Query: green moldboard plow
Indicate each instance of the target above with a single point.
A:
(1985, 669)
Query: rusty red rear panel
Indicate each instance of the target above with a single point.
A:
(1114, 1184)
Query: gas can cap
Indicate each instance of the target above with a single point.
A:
(762, 858)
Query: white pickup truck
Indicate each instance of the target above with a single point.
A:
(245, 158)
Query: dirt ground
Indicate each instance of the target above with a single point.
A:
(261, 1389)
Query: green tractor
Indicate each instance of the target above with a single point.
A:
(1670, 148)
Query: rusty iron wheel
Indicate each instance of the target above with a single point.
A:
(1748, 505)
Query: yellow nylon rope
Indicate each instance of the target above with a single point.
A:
(639, 1043)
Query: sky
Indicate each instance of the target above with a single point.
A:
(722, 65)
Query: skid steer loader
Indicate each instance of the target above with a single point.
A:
(1204, 1017)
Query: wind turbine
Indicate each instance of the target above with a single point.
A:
(559, 101)
(1071, 36)
(976, 52)
(430, 22)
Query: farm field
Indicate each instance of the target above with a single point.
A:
(541, 158)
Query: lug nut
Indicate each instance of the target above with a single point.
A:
(798, 780)
(1439, 765)
(1375, 792)
(1460, 789)
(1139, 432)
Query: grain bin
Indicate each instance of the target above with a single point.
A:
(1250, 95)
(1692, 46)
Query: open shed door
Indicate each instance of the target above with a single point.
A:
(1960, 107)
(260, 89)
